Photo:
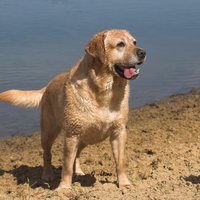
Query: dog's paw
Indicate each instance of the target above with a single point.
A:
(123, 185)
(63, 187)
(79, 173)
(124, 182)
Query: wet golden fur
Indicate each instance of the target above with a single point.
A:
(89, 104)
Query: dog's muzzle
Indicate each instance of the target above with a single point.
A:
(131, 72)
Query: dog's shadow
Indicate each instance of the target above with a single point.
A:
(193, 179)
(32, 176)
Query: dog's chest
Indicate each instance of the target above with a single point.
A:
(100, 125)
(103, 118)
(107, 116)
(96, 116)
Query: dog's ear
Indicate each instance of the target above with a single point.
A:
(96, 46)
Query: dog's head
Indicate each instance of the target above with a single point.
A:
(117, 50)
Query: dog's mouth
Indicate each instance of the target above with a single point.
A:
(127, 72)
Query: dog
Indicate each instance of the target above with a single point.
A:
(88, 104)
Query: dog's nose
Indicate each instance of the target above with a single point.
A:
(141, 53)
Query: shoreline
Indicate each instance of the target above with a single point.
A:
(162, 158)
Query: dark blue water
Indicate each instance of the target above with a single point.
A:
(42, 38)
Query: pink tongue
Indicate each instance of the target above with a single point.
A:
(129, 72)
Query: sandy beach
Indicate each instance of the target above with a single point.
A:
(162, 158)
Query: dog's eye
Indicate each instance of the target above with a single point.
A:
(134, 42)
(121, 44)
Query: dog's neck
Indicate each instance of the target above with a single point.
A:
(96, 78)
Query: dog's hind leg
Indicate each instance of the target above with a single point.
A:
(49, 132)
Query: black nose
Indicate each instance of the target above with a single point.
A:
(141, 53)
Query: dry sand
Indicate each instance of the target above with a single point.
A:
(162, 158)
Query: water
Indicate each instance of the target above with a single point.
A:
(42, 38)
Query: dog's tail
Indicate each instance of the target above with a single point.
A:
(29, 99)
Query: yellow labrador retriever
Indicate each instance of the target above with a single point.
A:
(89, 103)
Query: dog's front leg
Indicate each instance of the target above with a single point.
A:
(118, 140)
(78, 170)
(70, 151)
